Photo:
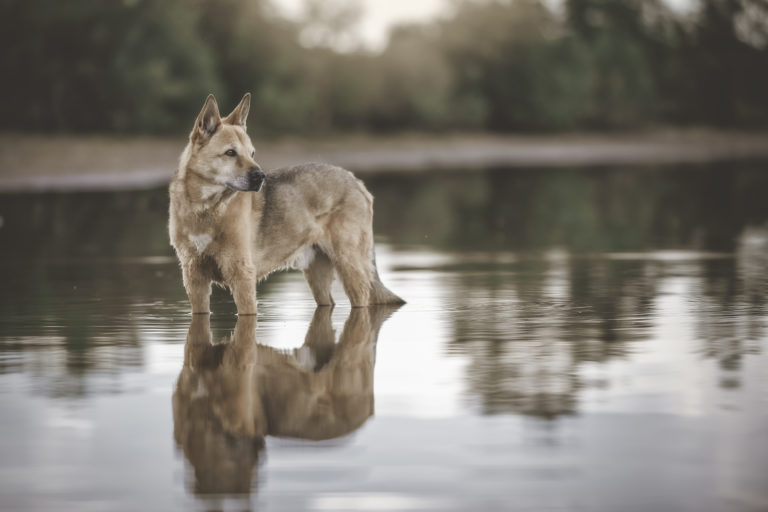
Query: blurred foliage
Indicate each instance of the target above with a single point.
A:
(500, 65)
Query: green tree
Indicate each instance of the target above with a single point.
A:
(81, 65)
(726, 68)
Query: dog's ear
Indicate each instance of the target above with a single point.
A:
(240, 114)
(208, 120)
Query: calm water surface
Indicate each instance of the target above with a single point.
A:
(574, 339)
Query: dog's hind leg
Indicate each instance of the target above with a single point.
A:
(355, 269)
(319, 275)
(356, 281)
(351, 246)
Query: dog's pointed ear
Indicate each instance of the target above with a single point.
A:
(240, 114)
(208, 120)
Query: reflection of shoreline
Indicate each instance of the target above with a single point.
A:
(230, 395)
(624, 212)
(36, 162)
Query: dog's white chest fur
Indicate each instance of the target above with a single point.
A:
(200, 241)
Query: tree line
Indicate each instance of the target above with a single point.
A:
(489, 65)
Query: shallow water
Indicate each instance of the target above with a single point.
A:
(574, 339)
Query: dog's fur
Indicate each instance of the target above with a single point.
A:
(227, 230)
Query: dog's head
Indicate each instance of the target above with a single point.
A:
(220, 150)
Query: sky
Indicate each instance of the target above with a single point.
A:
(380, 15)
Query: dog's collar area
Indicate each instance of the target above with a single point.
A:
(226, 188)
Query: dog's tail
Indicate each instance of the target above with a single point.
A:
(380, 294)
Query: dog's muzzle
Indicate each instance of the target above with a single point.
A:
(253, 180)
(256, 179)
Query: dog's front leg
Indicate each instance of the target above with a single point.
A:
(241, 279)
(198, 290)
(244, 292)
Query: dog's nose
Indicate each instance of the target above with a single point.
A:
(255, 178)
(256, 173)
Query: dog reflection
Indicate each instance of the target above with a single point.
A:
(230, 395)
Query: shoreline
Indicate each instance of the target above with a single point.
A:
(37, 163)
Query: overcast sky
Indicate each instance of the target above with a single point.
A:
(380, 15)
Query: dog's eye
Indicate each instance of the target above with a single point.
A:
(231, 152)
(253, 154)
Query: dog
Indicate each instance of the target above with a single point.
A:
(232, 224)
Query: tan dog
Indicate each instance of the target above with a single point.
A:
(226, 229)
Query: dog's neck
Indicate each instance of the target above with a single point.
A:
(203, 196)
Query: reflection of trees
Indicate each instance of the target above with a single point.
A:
(541, 321)
(583, 210)
(529, 327)
(232, 394)
(731, 313)
(72, 279)
(65, 320)
(82, 224)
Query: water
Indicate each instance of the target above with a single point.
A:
(574, 339)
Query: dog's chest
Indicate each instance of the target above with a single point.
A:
(199, 235)
(200, 242)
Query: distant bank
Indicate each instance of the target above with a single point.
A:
(69, 163)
